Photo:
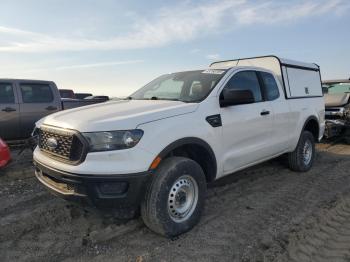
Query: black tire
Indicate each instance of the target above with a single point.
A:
(154, 208)
(296, 158)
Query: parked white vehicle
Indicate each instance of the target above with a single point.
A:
(160, 147)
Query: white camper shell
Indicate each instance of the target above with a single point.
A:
(299, 79)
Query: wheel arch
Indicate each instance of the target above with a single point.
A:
(312, 125)
(196, 149)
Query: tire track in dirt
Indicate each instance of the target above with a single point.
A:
(20, 204)
(248, 217)
(281, 204)
(245, 218)
(326, 237)
(34, 216)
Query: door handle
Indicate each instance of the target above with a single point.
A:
(51, 108)
(265, 112)
(8, 109)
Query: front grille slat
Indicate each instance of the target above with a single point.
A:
(69, 146)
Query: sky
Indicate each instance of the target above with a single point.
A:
(114, 47)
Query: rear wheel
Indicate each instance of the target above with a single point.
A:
(302, 158)
(174, 200)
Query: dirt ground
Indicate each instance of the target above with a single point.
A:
(265, 213)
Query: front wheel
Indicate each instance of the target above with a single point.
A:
(302, 158)
(175, 198)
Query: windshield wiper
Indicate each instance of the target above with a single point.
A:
(167, 99)
(154, 98)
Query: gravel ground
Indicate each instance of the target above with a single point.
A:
(265, 213)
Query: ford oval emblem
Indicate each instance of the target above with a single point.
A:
(52, 143)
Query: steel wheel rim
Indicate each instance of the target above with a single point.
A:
(182, 199)
(307, 152)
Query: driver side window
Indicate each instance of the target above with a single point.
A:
(246, 80)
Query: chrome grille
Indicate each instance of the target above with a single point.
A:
(68, 146)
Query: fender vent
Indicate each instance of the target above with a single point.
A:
(214, 120)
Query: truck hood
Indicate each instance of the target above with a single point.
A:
(336, 99)
(117, 115)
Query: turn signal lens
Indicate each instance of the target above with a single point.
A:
(155, 162)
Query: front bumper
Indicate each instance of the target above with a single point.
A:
(102, 191)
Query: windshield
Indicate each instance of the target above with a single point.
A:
(190, 86)
(340, 88)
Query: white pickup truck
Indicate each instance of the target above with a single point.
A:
(158, 149)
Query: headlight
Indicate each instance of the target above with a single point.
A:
(113, 140)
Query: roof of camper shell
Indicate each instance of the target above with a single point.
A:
(245, 61)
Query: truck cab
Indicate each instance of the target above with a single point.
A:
(22, 103)
(67, 93)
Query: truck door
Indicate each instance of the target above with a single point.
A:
(38, 100)
(9, 112)
(282, 128)
(246, 128)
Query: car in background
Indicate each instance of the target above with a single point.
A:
(82, 95)
(5, 155)
(104, 98)
(337, 102)
(67, 93)
(23, 102)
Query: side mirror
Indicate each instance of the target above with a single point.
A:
(236, 97)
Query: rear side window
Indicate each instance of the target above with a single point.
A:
(270, 86)
(36, 93)
(6, 94)
(246, 80)
(66, 93)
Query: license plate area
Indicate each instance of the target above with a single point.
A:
(53, 183)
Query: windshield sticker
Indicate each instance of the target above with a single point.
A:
(213, 71)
